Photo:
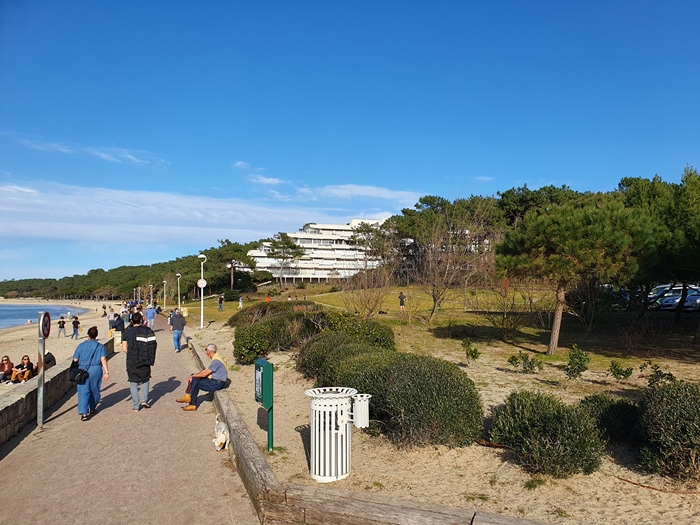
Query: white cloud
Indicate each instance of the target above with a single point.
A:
(241, 165)
(484, 179)
(12, 188)
(266, 180)
(46, 146)
(348, 191)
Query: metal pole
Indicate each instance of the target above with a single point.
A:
(201, 295)
(40, 364)
(164, 301)
(151, 293)
(178, 290)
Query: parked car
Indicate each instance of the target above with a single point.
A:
(670, 300)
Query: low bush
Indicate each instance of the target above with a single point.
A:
(528, 364)
(371, 332)
(263, 310)
(280, 332)
(333, 357)
(578, 363)
(418, 400)
(670, 421)
(618, 372)
(548, 436)
(312, 355)
(616, 418)
(431, 401)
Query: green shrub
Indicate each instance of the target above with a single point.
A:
(470, 351)
(263, 310)
(280, 332)
(371, 332)
(333, 357)
(368, 373)
(616, 418)
(656, 377)
(618, 372)
(252, 342)
(670, 421)
(431, 401)
(578, 363)
(524, 361)
(548, 436)
(312, 355)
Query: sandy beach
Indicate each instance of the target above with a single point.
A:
(20, 340)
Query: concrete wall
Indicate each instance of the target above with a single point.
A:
(18, 404)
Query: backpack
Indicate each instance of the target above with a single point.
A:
(144, 347)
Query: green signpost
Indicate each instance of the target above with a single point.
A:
(263, 394)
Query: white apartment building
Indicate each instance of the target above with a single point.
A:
(328, 253)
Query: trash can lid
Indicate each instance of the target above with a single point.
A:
(331, 392)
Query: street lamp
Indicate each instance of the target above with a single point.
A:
(138, 296)
(151, 302)
(231, 266)
(178, 290)
(202, 283)
(164, 283)
(134, 294)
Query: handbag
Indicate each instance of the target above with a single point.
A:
(79, 375)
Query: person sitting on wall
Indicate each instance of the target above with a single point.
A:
(211, 379)
(6, 367)
(23, 371)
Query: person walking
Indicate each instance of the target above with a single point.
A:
(62, 327)
(221, 303)
(402, 302)
(91, 355)
(76, 327)
(150, 317)
(240, 303)
(177, 325)
(211, 379)
(139, 344)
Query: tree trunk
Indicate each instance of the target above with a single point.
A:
(556, 322)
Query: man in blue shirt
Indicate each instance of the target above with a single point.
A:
(211, 379)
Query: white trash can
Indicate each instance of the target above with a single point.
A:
(331, 435)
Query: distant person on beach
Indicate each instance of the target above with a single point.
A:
(62, 327)
(110, 317)
(211, 379)
(6, 367)
(23, 371)
(137, 341)
(402, 302)
(91, 355)
(221, 303)
(177, 325)
(76, 327)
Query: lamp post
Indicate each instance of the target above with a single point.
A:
(231, 266)
(164, 283)
(151, 303)
(202, 283)
(134, 294)
(178, 290)
(138, 295)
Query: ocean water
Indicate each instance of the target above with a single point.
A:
(18, 314)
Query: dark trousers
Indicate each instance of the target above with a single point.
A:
(203, 383)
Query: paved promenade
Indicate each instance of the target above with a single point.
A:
(158, 465)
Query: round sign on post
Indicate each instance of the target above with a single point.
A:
(201, 283)
(45, 325)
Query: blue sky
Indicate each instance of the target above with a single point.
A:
(133, 132)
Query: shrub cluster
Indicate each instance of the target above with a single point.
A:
(313, 354)
(263, 310)
(548, 436)
(670, 421)
(616, 418)
(370, 332)
(278, 332)
(419, 400)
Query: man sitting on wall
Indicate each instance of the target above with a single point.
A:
(211, 379)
